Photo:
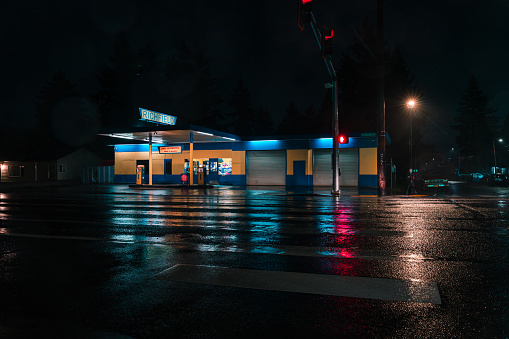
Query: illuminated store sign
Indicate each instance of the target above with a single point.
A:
(170, 149)
(158, 118)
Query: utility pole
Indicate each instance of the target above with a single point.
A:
(381, 96)
(324, 40)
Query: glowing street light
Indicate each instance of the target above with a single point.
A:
(411, 187)
(495, 154)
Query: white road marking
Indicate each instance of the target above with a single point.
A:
(302, 251)
(49, 236)
(322, 284)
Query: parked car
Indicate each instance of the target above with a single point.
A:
(434, 180)
(481, 178)
(499, 179)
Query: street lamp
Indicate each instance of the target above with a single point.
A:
(495, 154)
(411, 187)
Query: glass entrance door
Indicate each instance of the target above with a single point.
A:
(213, 171)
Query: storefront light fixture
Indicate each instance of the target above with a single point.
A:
(155, 141)
(210, 134)
(121, 136)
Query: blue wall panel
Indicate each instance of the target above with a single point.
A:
(368, 180)
(166, 179)
(125, 178)
(236, 180)
(293, 180)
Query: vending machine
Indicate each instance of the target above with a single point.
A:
(201, 175)
(140, 174)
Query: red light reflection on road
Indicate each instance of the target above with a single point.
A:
(344, 240)
(343, 231)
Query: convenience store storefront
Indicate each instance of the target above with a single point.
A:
(226, 159)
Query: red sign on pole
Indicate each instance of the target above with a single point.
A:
(183, 178)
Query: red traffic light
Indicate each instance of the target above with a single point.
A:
(343, 139)
(326, 42)
(305, 8)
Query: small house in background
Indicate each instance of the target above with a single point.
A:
(65, 166)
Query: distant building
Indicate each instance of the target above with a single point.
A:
(50, 167)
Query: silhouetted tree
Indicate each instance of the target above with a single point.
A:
(504, 134)
(477, 128)
(323, 120)
(293, 121)
(189, 87)
(240, 119)
(114, 97)
(64, 118)
(181, 84)
(357, 81)
(146, 85)
(310, 120)
(206, 92)
(263, 125)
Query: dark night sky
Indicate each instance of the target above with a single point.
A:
(444, 43)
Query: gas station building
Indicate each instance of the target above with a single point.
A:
(162, 154)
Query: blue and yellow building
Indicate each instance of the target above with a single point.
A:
(167, 153)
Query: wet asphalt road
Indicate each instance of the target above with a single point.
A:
(117, 262)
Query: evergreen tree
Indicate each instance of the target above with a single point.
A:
(64, 118)
(240, 119)
(505, 128)
(263, 125)
(358, 111)
(114, 98)
(292, 123)
(357, 83)
(504, 134)
(54, 94)
(477, 128)
(181, 85)
(146, 84)
(206, 92)
(179, 74)
(310, 120)
(190, 88)
(397, 86)
(323, 120)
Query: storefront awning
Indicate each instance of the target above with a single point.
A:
(166, 135)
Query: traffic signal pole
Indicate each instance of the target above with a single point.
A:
(320, 39)
(381, 98)
(335, 139)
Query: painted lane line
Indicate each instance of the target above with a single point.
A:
(322, 284)
(245, 248)
(49, 236)
(8, 218)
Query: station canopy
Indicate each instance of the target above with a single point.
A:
(162, 134)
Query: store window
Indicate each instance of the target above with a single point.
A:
(16, 171)
(224, 166)
(62, 168)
